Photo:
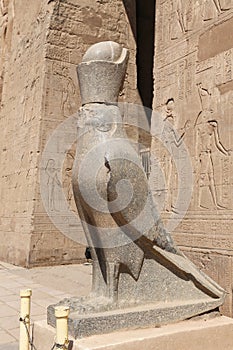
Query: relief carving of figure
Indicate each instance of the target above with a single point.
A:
(67, 185)
(207, 138)
(53, 182)
(173, 138)
(69, 97)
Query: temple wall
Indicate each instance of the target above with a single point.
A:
(23, 33)
(41, 47)
(194, 66)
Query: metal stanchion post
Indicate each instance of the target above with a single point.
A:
(25, 296)
(61, 314)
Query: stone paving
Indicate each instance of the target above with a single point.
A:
(48, 284)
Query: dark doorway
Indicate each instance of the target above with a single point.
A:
(145, 38)
(141, 15)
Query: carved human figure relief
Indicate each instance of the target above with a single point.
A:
(67, 175)
(207, 139)
(69, 98)
(53, 183)
(29, 100)
(173, 137)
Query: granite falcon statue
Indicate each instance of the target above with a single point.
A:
(140, 278)
(104, 145)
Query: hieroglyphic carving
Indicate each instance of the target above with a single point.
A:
(172, 138)
(3, 32)
(207, 137)
(177, 20)
(53, 182)
(223, 5)
(158, 88)
(218, 72)
(171, 72)
(159, 37)
(4, 21)
(190, 71)
(223, 63)
(204, 95)
(181, 77)
(69, 98)
(214, 7)
(175, 79)
(209, 263)
(211, 8)
(228, 65)
(189, 14)
(213, 66)
(67, 185)
(67, 103)
(226, 195)
(181, 18)
(29, 100)
(166, 33)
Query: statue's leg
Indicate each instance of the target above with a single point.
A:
(112, 280)
(90, 230)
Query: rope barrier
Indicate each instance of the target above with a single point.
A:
(64, 346)
(30, 340)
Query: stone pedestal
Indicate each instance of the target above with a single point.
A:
(150, 315)
(198, 334)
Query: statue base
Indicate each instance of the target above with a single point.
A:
(169, 289)
(150, 315)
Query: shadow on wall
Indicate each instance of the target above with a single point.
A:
(141, 15)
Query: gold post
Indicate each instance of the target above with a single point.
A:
(25, 296)
(61, 314)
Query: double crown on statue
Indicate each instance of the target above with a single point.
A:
(101, 72)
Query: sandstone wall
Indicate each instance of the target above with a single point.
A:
(194, 66)
(42, 45)
(23, 32)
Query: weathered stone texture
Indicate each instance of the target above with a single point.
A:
(21, 101)
(221, 35)
(43, 44)
(193, 65)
